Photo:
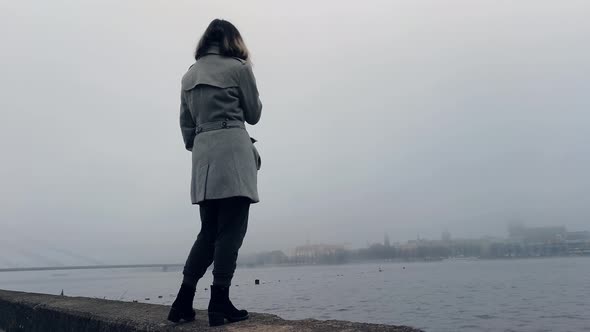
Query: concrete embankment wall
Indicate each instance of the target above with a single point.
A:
(21, 311)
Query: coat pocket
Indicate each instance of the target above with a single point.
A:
(199, 187)
(257, 158)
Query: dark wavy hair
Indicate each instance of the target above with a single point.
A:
(224, 35)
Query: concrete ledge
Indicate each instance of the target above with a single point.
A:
(21, 311)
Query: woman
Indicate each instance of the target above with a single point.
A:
(218, 94)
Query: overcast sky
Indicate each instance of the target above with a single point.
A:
(406, 117)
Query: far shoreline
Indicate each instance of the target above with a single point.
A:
(173, 267)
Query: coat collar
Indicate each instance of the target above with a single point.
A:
(214, 49)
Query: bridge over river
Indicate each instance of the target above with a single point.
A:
(164, 267)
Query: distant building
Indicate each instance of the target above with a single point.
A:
(446, 236)
(311, 252)
(386, 241)
(577, 237)
(537, 235)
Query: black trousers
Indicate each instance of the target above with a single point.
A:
(223, 226)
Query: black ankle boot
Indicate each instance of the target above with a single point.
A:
(220, 307)
(182, 308)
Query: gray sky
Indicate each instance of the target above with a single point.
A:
(405, 117)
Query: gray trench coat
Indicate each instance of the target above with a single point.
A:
(217, 90)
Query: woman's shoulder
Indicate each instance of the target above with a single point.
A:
(220, 71)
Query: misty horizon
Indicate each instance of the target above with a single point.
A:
(32, 259)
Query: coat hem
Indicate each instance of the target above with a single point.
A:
(252, 200)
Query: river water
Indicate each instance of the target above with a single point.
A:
(551, 294)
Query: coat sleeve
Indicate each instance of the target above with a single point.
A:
(249, 98)
(187, 124)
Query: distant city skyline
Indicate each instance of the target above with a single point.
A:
(40, 261)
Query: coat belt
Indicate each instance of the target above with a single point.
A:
(216, 125)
